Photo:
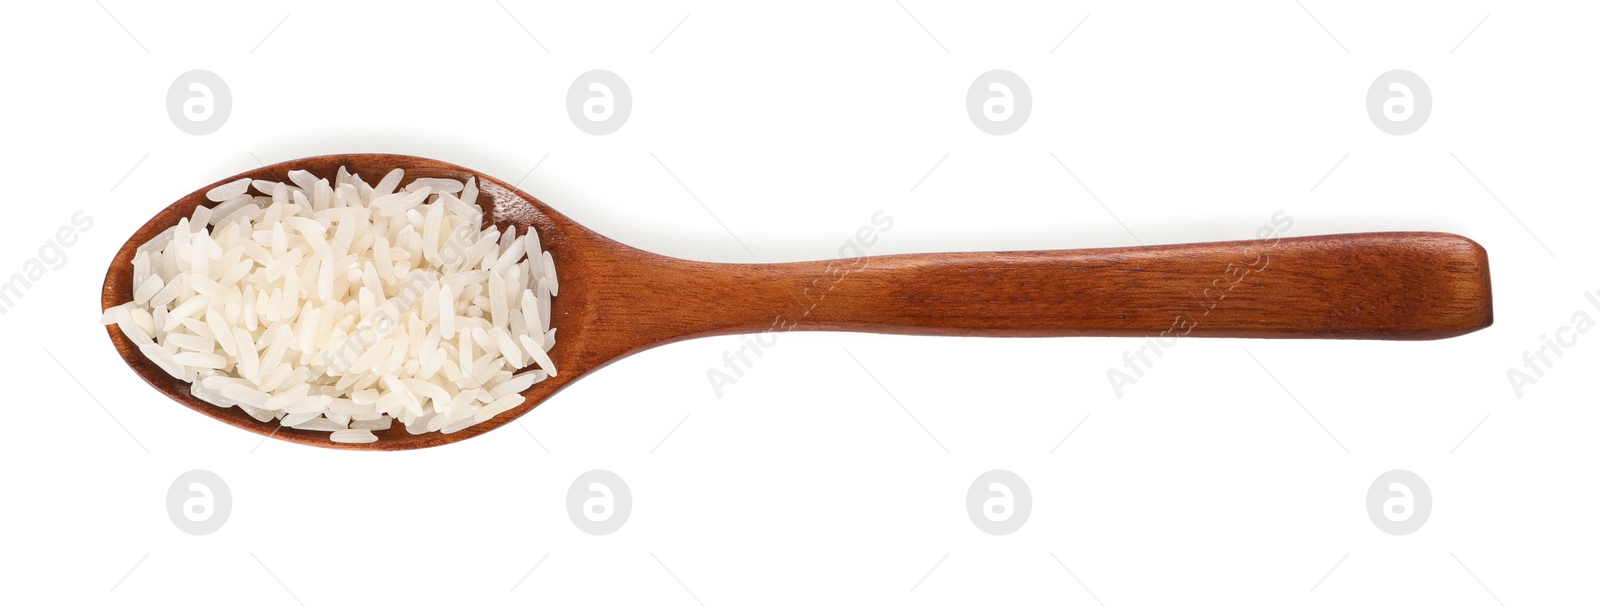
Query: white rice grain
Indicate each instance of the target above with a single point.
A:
(228, 190)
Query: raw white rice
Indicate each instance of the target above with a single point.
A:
(341, 307)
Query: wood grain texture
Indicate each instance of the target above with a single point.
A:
(616, 300)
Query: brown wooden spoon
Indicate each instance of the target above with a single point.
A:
(616, 300)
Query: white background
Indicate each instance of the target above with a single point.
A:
(1235, 470)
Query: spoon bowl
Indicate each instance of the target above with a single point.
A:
(616, 299)
(505, 206)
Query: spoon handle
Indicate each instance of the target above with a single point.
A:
(1398, 285)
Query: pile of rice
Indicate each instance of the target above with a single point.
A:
(342, 307)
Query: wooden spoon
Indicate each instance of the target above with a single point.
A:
(616, 300)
